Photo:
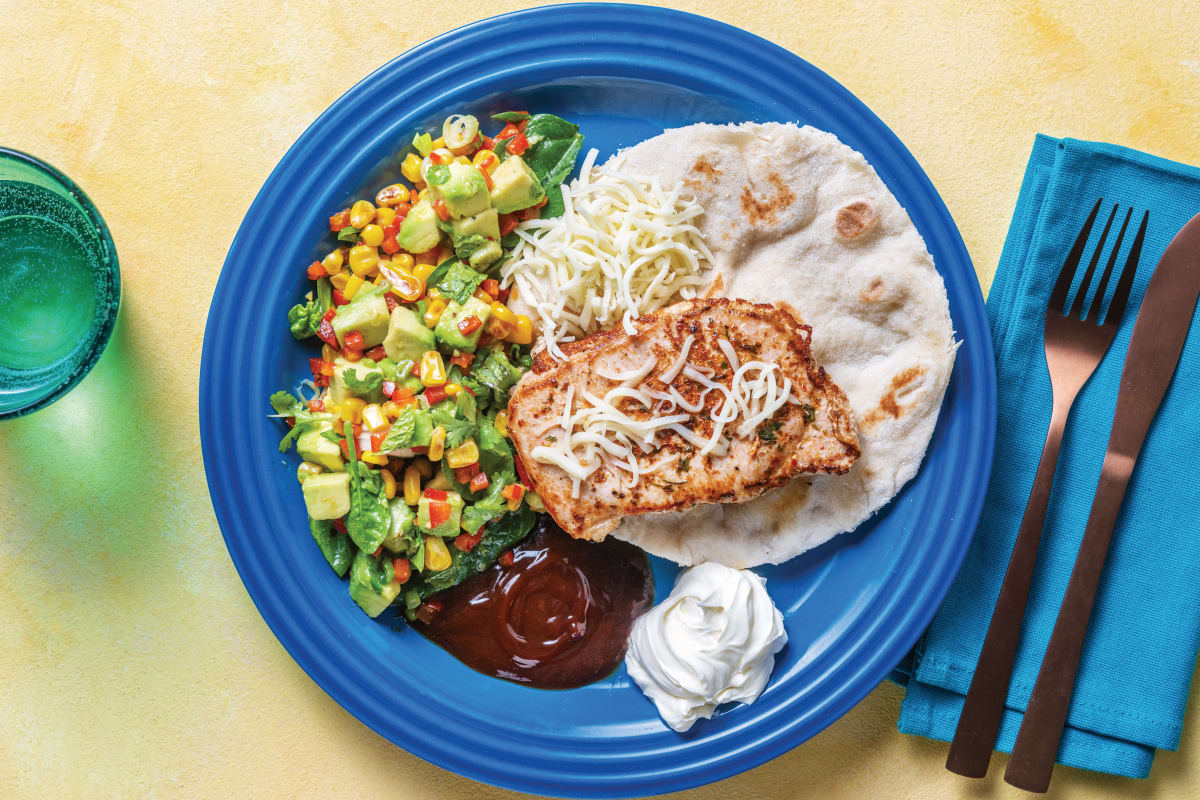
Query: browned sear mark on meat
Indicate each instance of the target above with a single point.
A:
(767, 210)
(854, 220)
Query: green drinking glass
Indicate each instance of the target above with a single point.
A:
(60, 284)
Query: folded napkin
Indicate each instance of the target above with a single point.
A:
(1145, 629)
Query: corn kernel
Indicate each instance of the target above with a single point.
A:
(339, 281)
(439, 143)
(423, 195)
(412, 486)
(502, 313)
(385, 216)
(437, 443)
(389, 483)
(353, 284)
(333, 262)
(433, 312)
(361, 214)
(483, 296)
(433, 371)
(307, 469)
(498, 328)
(373, 418)
(379, 279)
(405, 262)
(391, 410)
(452, 389)
(423, 271)
(410, 168)
(352, 355)
(462, 160)
(464, 455)
(424, 467)
(351, 409)
(390, 196)
(338, 426)
(501, 423)
(328, 354)
(434, 293)
(437, 556)
(372, 235)
(485, 160)
(378, 459)
(363, 259)
(522, 330)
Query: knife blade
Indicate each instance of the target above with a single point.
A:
(1159, 334)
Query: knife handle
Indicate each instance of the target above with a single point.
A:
(1034, 753)
(983, 708)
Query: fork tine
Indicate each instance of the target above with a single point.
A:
(1098, 300)
(1117, 307)
(1058, 298)
(1081, 294)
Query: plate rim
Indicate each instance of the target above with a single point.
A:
(865, 677)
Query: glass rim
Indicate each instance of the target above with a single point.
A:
(111, 280)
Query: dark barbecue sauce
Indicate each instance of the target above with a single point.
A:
(558, 618)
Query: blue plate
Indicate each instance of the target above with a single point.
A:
(853, 607)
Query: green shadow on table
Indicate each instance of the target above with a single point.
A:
(90, 468)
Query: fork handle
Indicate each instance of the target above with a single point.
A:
(983, 709)
(1036, 747)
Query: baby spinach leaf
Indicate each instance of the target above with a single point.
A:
(501, 534)
(350, 235)
(337, 549)
(324, 296)
(369, 519)
(511, 116)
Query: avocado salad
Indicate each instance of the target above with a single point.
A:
(409, 479)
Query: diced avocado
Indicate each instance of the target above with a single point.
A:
(407, 337)
(447, 327)
(371, 584)
(447, 528)
(483, 256)
(339, 388)
(422, 428)
(419, 231)
(464, 191)
(486, 223)
(403, 519)
(367, 315)
(515, 186)
(327, 496)
(314, 447)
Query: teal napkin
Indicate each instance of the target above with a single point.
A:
(1141, 648)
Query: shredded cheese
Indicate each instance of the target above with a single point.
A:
(623, 247)
(599, 434)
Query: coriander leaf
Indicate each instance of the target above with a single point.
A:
(464, 406)
(457, 430)
(495, 453)
(337, 549)
(284, 403)
(510, 240)
(481, 394)
(809, 412)
(492, 505)
(332, 436)
(401, 432)
(767, 430)
(304, 319)
(349, 234)
(511, 116)
(363, 386)
(459, 281)
(498, 374)
(466, 246)
(304, 420)
(423, 144)
(369, 519)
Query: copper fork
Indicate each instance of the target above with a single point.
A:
(1076, 340)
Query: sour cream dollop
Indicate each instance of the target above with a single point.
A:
(713, 640)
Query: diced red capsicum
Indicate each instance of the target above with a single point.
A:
(376, 353)
(513, 494)
(339, 220)
(401, 570)
(392, 301)
(389, 244)
(316, 270)
(438, 158)
(469, 324)
(466, 542)
(439, 513)
(439, 208)
(339, 525)
(326, 333)
(435, 494)
(518, 145)
(491, 286)
(479, 482)
(339, 299)
(463, 360)
(319, 367)
(506, 559)
(465, 474)
(388, 387)
(377, 440)
(520, 468)
(508, 223)
(354, 340)
(415, 369)
(316, 405)
(435, 395)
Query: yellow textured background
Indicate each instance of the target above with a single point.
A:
(132, 662)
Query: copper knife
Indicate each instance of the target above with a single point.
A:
(1158, 337)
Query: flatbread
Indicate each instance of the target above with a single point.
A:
(793, 215)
